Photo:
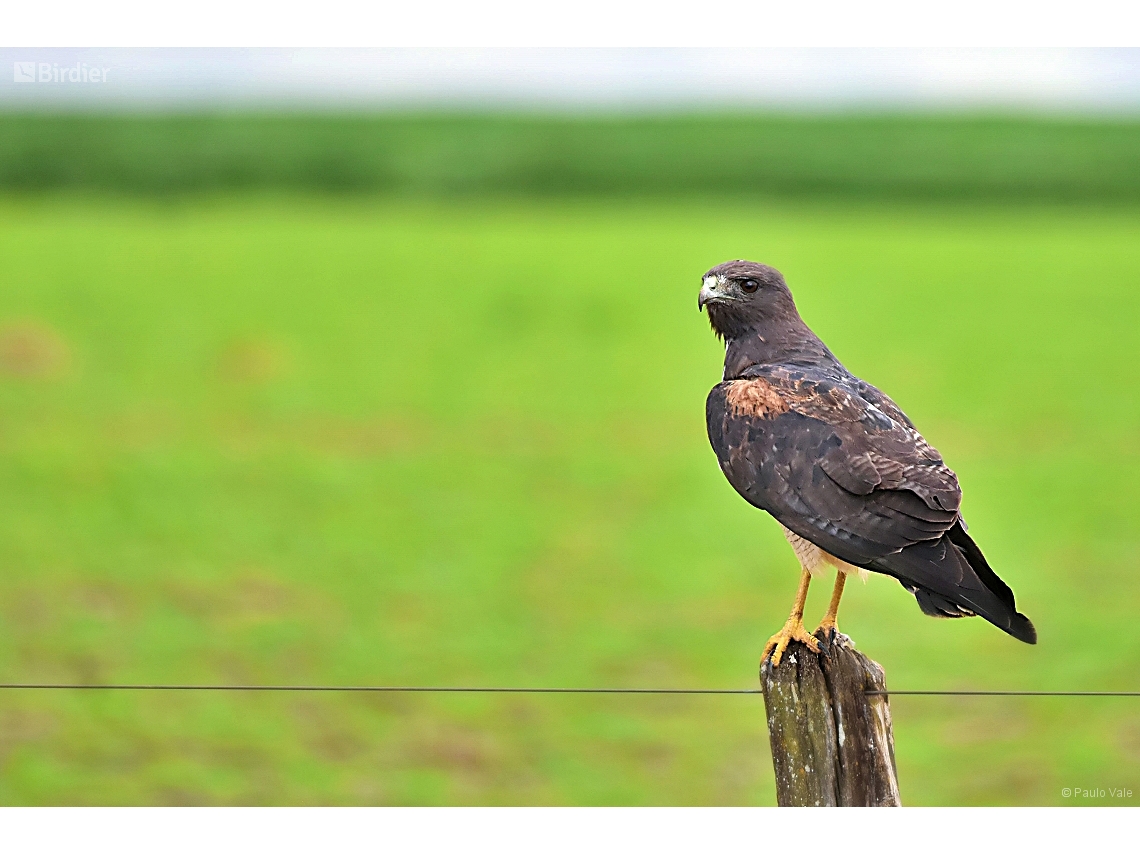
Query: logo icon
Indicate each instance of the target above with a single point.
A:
(23, 72)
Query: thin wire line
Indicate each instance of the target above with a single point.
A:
(522, 690)
(488, 689)
(1009, 693)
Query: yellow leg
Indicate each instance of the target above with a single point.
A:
(829, 626)
(794, 629)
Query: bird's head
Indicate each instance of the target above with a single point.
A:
(744, 297)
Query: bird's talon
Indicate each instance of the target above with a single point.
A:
(825, 640)
(793, 631)
(827, 632)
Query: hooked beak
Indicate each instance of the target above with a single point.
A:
(710, 293)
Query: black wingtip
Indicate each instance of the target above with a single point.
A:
(1017, 624)
(1021, 628)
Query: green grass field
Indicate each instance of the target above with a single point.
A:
(732, 156)
(292, 440)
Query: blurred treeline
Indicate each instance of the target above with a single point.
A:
(857, 156)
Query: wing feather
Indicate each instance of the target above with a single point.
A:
(837, 462)
(827, 462)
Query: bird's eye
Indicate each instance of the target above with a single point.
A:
(749, 285)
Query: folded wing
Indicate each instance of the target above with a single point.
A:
(837, 462)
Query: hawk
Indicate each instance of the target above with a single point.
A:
(851, 481)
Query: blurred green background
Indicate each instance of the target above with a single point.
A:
(416, 399)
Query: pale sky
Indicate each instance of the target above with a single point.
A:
(1052, 80)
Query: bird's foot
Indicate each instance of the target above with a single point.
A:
(826, 632)
(793, 631)
(829, 637)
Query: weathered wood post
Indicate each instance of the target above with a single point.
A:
(832, 744)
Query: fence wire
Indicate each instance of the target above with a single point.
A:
(530, 690)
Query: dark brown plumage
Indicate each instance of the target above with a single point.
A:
(835, 460)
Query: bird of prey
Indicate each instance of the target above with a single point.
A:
(847, 475)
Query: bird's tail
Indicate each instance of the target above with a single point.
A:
(951, 578)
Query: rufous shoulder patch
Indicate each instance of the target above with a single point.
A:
(756, 398)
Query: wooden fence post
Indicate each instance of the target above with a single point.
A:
(832, 744)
